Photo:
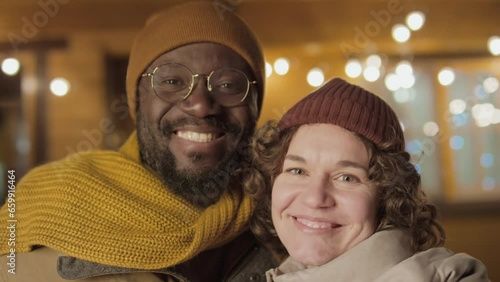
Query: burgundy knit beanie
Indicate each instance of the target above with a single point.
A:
(352, 107)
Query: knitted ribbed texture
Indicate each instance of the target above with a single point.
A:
(352, 107)
(193, 22)
(107, 208)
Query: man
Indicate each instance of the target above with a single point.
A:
(168, 206)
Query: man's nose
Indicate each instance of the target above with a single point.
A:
(200, 103)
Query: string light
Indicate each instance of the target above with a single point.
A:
(430, 128)
(59, 86)
(374, 61)
(269, 69)
(315, 77)
(494, 45)
(353, 68)
(11, 66)
(491, 84)
(281, 66)
(371, 74)
(392, 82)
(415, 20)
(400, 33)
(446, 76)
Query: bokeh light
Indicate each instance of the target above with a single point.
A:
(431, 128)
(479, 92)
(418, 168)
(400, 33)
(488, 183)
(483, 114)
(457, 106)
(407, 81)
(414, 147)
(494, 45)
(269, 69)
(371, 74)
(11, 66)
(460, 119)
(487, 160)
(392, 82)
(446, 76)
(490, 84)
(495, 119)
(315, 77)
(415, 20)
(353, 68)
(374, 61)
(457, 142)
(401, 96)
(59, 86)
(281, 66)
(404, 68)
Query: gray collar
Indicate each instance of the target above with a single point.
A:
(71, 268)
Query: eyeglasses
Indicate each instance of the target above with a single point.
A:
(174, 82)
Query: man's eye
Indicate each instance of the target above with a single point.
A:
(229, 88)
(172, 81)
(226, 85)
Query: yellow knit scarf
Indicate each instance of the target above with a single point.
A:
(107, 208)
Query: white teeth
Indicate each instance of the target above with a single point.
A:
(314, 224)
(196, 136)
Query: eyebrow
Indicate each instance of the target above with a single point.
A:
(295, 158)
(345, 163)
(342, 163)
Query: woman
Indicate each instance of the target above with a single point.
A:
(345, 200)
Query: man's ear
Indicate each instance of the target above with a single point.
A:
(253, 104)
(141, 91)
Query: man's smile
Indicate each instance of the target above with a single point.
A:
(198, 136)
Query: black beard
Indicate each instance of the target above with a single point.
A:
(202, 188)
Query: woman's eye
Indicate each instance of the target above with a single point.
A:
(295, 171)
(348, 178)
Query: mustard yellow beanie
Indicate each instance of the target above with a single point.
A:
(193, 22)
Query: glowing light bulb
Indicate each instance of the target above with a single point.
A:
(430, 128)
(415, 20)
(269, 69)
(446, 76)
(457, 106)
(374, 61)
(392, 82)
(59, 86)
(281, 66)
(315, 77)
(11, 66)
(494, 45)
(491, 84)
(371, 74)
(404, 68)
(353, 68)
(400, 33)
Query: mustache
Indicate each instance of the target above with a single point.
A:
(228, 128)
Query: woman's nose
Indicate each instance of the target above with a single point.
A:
(319, 193)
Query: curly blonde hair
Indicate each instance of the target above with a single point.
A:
(402, 203)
